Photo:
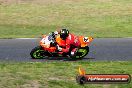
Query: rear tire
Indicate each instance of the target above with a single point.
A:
(37, 53)
(81, 53)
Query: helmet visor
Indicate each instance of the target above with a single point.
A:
(63, 36)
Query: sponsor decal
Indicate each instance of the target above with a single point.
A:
(83, 78)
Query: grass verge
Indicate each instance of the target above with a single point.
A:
(98, 18)
(58, 74)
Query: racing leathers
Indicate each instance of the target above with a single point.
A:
(71, 43)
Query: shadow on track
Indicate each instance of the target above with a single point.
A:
(62, 59)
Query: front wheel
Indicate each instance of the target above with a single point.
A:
(37, 53)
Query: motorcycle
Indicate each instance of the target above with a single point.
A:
(48, 47)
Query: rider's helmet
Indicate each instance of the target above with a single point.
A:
(64, 33)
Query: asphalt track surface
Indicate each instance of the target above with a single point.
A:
(101, 49)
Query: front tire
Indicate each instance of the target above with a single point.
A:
(37, 53)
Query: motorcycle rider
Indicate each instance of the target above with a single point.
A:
(72, 42)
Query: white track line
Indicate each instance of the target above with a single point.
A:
(96, 38)
(127, 37)
(27, 38)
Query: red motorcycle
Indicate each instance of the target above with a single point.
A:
(48, 48)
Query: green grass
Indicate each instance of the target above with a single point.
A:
(58, 74)
(98, 18)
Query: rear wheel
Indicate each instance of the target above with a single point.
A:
(82, 52)
(37, 53)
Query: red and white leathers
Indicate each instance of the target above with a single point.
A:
(71, 40)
